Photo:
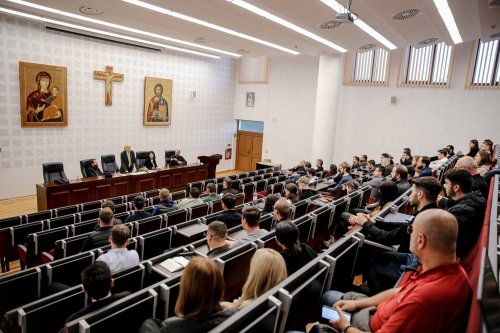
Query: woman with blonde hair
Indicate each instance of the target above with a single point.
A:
(197, 308)
(267, 269)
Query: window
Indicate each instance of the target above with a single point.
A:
(251, 126)
(486, 64)
(427, 66)
(369, 68)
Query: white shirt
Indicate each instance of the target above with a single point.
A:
(120, 259)
(436, 164)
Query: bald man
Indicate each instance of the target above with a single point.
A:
(422, 302)
(478, 183)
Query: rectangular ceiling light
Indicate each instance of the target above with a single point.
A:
(207, 24)
(121, 27)
(448, 19)
(102, 32)
(286, 24)
(362, 25)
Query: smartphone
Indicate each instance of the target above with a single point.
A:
(332, 314)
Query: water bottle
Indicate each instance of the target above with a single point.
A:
(77, 178)
(254, 198)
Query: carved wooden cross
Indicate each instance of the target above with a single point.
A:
(108, 76)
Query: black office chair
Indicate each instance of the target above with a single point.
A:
(168, 154)
(108, 164)
(53, 172)
(84, 164)
(141, 157)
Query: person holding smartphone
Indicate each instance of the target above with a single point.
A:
(421, 302)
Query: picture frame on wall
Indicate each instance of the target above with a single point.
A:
(250, 102)
(43, 95)
(157, 101)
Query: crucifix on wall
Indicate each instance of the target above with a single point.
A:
(108, 76)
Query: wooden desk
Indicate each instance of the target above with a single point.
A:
(52, 195)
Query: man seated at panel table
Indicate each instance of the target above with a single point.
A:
(97, 282)
(93, 169)
(128, 160)
(176, 159)
(421, 302)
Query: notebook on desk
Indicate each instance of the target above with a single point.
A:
(175, 264)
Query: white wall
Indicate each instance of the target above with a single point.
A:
(200, 126)
(424, 119)
(287, 106)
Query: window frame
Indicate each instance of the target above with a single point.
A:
(350, 68)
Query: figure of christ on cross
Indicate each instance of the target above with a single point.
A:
(108, 76)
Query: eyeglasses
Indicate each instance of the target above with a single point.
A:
(409, 229)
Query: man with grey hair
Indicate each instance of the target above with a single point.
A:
(433, 239)
(478, 183)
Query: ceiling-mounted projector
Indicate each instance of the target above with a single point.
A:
(345, 17)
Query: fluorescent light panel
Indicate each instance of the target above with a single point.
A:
(285, 23)
(120, 27)
(362, 25)
(448, 19)
(208, 25)
(102, 32)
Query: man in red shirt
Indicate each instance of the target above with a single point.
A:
(435, 298)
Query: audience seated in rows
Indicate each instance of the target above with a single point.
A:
(138, 203)
(441, 159)
(451, 151)
(193, 200)
(282, 210)
(305, 191)
(467, 207)
(291, 193)
(376, 180)
(119, 257)
(295, 254)
(319, 165)
(216, 239)
(386, 269)
(100, 237)
(299, 168)
(406, 158)
(250, 222)
(423, 166)
(344, 169)
(269, 203)
(97, 283)
(478, 182)
(487, 145)
(411, 172)
(363, 161)
(385, 161)
(355, 162)
(211, 193)
(111, 205)
(399, 175)
(198, 307)
(311, 174)
(267, 269)
(421, 302)
(331, 172)
(166, 204)
(483, 160)
(227, 187)
(388, 193)
(229, 216)
(473, 148)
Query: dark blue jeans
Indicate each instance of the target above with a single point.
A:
(385, 271)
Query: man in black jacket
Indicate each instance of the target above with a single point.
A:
(93, 169)
(139, 213)
(177, 159)
(101, 236)
(229, 216)
(97, 282)
(399, 174)
(467, 207)
(385, 270)
(478, 182)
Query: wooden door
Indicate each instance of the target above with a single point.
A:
(248, 150)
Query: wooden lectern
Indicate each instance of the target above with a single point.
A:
(212, 162)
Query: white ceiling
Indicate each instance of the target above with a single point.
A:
(475, 19)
